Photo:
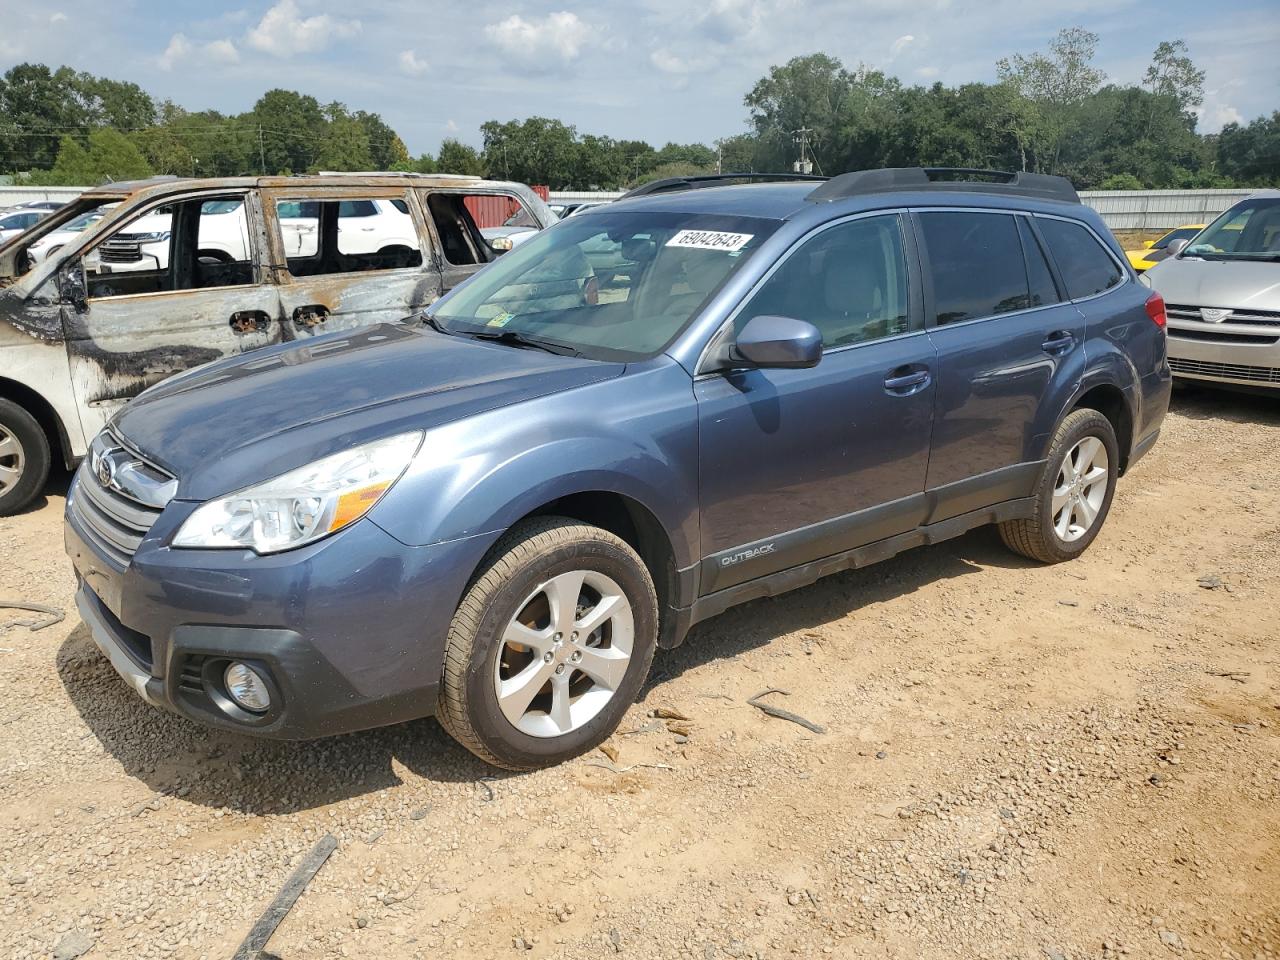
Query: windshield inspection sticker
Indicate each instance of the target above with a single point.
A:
(501, 320)
(710, 240)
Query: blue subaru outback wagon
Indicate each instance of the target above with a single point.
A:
(710, 391)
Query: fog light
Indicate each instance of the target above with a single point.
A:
(247, 688)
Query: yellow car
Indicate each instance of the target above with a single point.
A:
(1153, 251)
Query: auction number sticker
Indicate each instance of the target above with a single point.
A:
(710, 240)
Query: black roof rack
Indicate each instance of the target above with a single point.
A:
(676, 184)
(1000, 182)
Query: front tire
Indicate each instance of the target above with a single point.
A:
(1074, 495)
(24, 458)
(550, 645)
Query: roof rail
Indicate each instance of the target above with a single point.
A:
(999, 182)
(408, 174)
(676, 184)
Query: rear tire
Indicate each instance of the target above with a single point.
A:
(523, 688)
(24, 458)
(1073, 497)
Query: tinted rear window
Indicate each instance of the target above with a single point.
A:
(1039, 279)
(976, 263)
(1086, 267)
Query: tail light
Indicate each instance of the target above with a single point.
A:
(1155, 310)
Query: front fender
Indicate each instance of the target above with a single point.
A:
(635, 436)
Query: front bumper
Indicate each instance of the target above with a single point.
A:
(349, 631)
(1235, 353)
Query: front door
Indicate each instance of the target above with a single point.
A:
(796, 465)
(1007, 344)
(177, 286)
(349, 261)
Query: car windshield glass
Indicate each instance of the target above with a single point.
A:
(619, 286)
(1183, 233)
(1248, 231)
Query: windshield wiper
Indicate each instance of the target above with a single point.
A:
(434, 324)
(516, 339)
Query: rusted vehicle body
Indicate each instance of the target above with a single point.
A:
(86, 326)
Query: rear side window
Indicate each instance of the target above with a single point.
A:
(1039, 279)
(1086, 267)
(976, 263)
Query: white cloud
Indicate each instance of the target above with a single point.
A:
(668, 62)
(1215, 115)
(927, 73)
(413, 66)
(179, 49)
(222, 51)
(557, 38)
(899, 45)
(283, 31)
(729, 20)
(58, 17)
(451, 126)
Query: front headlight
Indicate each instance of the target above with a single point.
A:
(304, 504)
(155, 237)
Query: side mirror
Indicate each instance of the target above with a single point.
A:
(71, 286)
(784, 342)
(1175, 247)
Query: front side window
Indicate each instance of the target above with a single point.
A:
(620, 286)
(977, 266)
(849, 281)
(1086, 267)
(186, 245)
(1248, 231)
(324, 237)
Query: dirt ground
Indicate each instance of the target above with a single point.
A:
(1078, 761)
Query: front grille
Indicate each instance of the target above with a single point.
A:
(120, 251)
(117, 497)
(1232, 371)
(1263, 318)
(1209, 335)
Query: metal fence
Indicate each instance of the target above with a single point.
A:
(1159, 209)
(13, 195)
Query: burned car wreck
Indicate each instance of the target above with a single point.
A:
(135, 282)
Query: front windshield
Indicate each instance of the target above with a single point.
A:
(1182, 233)
(80, 224)
(1248, 231)
(616, 286)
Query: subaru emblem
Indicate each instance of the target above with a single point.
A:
(106, 471)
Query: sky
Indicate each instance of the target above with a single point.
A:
(658, 70)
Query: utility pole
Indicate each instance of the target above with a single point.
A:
(804, 164)
(720, 156)
(262, 153)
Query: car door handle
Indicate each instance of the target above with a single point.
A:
(310, 315)
(1059, 342)
(250, 321)
(907, 380)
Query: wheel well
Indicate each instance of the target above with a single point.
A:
(634, 523)
(1109, 401)
(39, 408)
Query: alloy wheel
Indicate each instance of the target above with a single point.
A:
(564, 654)
(12, 460)
(1081, 489)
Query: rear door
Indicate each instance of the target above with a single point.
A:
(349, 260)
(1008, 344)
(178, 285)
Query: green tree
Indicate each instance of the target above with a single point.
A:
(110, 157)
(537, 150)
(1250, 154)
(457, 157)
(346, 142)
(808, 92)
(1057, 85)
(38, 106)
(290, 128)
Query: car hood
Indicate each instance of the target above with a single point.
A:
(245, 419)
(1252, 284)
